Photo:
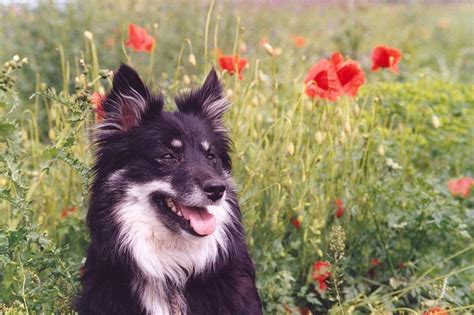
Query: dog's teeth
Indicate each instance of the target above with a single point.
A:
(169, 203)
(179, 213)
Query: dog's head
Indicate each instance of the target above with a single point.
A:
(174, 164)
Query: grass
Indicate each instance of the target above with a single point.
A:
(380, 152)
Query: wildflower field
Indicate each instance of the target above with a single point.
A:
(353, 131)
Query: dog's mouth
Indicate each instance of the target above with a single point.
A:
(195, 220)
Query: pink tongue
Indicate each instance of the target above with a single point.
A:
(202, 221)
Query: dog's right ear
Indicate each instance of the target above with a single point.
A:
(208, 101)
(129, 102)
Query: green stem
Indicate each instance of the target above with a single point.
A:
(206, 37)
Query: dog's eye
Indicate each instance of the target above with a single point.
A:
(211, 156)
(167, 156)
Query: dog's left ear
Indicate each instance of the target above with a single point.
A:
(208, 101)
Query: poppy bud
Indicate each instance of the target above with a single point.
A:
(24, 134)
(192, 59)
(435, 121)
(347, 127)
(319, 137)
(186, 79)
(268, 48)
(356, 110)
(255, 101)
(88, 35)
(277, 51)
(52, 134)
(262, 76)
(290, 149)
(381, 150)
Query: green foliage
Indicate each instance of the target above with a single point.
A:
(386, 154)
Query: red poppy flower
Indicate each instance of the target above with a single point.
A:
(374, 262)
(340, 208)
(138, 39)
(68, 211)
(349, 73)
(435, 311)
(296, 223)
(232, 64)
(322, 81)
(299, 41)
(321, 273)
(330, 79)
(385, 57)
(98, 99)
(461, 187)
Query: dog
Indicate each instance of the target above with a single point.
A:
(165, 224)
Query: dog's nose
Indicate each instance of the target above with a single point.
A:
(214, 189)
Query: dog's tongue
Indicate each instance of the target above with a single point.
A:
(201, 220)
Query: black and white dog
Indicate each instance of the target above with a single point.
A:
(166, 232)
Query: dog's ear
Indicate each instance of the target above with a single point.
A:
(208, 101)
(129, 101)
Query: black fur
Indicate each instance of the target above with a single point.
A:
(134, 139)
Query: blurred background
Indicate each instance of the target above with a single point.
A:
(435, 36)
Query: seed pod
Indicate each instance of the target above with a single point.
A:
(381, 150)
(435, 121)
(192, 59)
(347, 127)
(356, 110)
(290, 149)
(277, 52)
(88, 35)
(268, 48)
(255, 101)
(342, 138)
(52, 134)
(186, 79)
(319, 137)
